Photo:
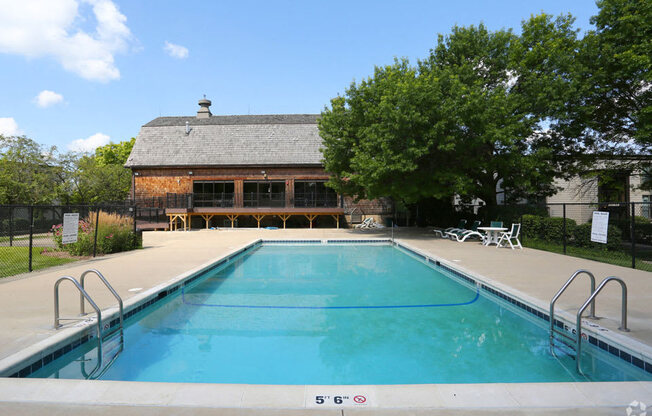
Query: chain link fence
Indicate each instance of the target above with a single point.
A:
(566, 229)
(30, 236)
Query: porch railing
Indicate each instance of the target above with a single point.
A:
(314, 200)
(264, 199)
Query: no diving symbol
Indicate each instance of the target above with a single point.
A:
(359, 399)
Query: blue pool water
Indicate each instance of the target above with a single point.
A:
(329, 314)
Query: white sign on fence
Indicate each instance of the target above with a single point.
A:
(70, 228)
(599, 227)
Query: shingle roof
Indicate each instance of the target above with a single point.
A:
(284, 139)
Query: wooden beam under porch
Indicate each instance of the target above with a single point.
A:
(184, 216)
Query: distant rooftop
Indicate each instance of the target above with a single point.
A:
(207, 140)
(235, 120)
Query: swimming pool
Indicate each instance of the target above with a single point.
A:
(335, 314)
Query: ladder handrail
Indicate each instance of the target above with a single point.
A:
(558, 294)
(84, 294)
(623, 316)
(100, 358)
(108, 285)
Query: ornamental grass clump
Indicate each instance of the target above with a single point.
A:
(114, 234)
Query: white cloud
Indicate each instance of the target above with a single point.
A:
(52, 28)
(9, 127)
(175, 51)
(89, 144)
(48, 98)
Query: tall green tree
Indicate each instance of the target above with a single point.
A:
(114, 153)
(91, 183)
(617, 71)
(29, 173)
(100, 177)
(460, 122)
(379, 140)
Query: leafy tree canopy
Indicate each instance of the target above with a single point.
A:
(90, 182)
(616, 63)
(487, 107)
(459, 122)
(28, 172)
(33, 174)
(114, 153)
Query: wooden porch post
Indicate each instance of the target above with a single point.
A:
(310, 218)
(284, 217)
(207, 218)
(232, 217)
(259, 217)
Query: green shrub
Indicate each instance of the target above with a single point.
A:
(582, 238)
(553, 228)
(531, 226)
(509, 214)
(85, 239)
(642, 229)
(547, 228)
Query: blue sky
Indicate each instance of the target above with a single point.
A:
(78, 73)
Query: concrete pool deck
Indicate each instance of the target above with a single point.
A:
(530, 274)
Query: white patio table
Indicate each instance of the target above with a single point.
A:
(493, 234)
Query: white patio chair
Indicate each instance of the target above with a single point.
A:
(511, 235)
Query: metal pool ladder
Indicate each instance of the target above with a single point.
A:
(554, 331)
(589, 301)
(84, 296)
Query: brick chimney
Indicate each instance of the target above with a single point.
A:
(204, 111)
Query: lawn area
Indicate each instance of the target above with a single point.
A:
(25, 237)
(619, 258)
(14, 260)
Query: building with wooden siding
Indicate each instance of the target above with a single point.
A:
(253, 170)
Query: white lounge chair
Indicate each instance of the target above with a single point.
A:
(443, 233)
(473, 232)
(511, 235)
(457, 234)
(369, 223)
(365, 224)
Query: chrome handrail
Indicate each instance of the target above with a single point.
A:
(83, 294)
(623, 315)
(99, 365)
(108, 285)
(558, 294)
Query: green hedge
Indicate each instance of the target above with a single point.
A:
(551, 229)
(547, 228)
(582, 238)
(642, 229)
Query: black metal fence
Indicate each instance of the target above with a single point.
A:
(30, 235)
(566, 228)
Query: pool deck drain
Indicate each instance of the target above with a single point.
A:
(536, 275)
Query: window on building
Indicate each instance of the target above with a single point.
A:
(646, 210)
(313, 194)
(264, 194)
(613, 186)
(213, 193)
